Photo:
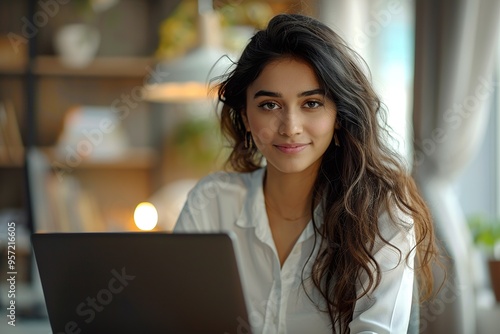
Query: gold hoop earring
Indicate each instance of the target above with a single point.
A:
(248, 140)
(336, 140)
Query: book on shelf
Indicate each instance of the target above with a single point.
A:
(60, 205)
(92, 133)
(73, 208)
(4, 154)
(11, 145)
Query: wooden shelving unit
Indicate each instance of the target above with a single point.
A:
(43, 90)
(133, 158)
(100, 67)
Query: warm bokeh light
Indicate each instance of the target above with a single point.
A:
(145, 216)
(177, 92)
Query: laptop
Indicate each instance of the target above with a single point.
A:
(144, 282)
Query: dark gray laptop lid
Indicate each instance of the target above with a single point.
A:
(141, 283)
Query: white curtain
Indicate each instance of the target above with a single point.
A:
(455, 43)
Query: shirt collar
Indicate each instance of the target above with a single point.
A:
(254, 209)
(254, 213)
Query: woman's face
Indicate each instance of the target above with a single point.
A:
(291, 120)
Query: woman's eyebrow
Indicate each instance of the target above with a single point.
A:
(266, 93)
(317, 91)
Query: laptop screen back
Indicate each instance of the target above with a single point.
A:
(141, 283)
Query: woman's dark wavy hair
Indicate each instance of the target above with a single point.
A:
(356, 182)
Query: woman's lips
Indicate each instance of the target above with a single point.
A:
(290, 148)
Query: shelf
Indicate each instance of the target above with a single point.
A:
(11, 165)
(8, 67)
(133, 158)
(11, 158)
(13, 57)
(100, 67)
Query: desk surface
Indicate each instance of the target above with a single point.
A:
(488, 319)
(27, 298)
(26, 327)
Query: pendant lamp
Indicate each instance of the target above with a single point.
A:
(187, 78)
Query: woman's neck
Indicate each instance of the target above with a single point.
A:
(289, 195)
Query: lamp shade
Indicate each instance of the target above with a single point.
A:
(187, 78)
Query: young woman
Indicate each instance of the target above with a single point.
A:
(331, 230)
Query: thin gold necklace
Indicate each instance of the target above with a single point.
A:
(268, 205)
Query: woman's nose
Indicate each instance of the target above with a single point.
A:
(290, 124)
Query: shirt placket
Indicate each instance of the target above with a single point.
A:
(287, 278)
(273, 308)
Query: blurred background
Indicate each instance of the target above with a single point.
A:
(106, 122)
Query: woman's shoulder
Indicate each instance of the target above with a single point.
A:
(396, 225)
(394, 218)
(220, 194)
(225, 183)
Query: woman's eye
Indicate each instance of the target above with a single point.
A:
(269, 106)
(313, 104)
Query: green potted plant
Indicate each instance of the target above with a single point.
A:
(486, 236)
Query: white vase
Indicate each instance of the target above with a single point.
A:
(77, 44)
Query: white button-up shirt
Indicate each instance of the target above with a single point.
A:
(277, 300)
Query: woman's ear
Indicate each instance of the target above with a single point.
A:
(337, 119)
